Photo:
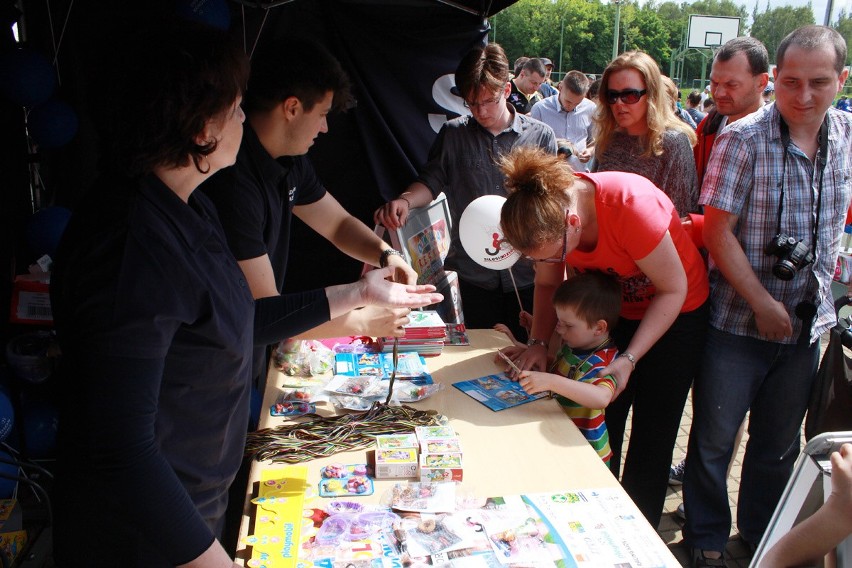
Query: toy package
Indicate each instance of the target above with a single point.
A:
(410, 366)
(345, 481)
(424, 497)
(295, 357)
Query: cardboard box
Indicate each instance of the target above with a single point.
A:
(396, 463)
(395, 441)
(424, 432)
(396, 456)
(446, 460)
(440, 467)
(440, 474)
(440, 446)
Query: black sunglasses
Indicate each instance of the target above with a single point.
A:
(627, 96)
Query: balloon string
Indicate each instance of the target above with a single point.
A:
(515, 286)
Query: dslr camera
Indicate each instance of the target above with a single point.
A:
(792, 256)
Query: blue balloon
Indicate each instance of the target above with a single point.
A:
(53, 124)
(26, 76)
(256, 403)
(7, 415)
(40, 420)
(214, 13)
(45, 228)
(7, 486)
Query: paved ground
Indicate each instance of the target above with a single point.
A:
(671, 526)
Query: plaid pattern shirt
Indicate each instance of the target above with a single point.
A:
(744, 177)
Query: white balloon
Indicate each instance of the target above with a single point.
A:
(482, 236)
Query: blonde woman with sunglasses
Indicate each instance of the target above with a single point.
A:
(637, 130)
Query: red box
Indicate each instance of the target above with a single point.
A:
(31, 301)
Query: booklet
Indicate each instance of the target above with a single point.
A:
(457, 334)
(497, 392)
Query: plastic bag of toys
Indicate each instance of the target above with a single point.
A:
(296, 357)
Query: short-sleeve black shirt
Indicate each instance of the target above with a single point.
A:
(255, 199)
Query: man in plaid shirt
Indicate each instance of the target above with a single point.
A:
(786, 171)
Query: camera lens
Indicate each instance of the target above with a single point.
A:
(784, 270)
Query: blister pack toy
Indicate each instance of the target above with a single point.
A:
(345, 481)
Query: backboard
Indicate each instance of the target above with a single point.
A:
(708, 32)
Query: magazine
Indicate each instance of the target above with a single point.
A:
(497, 392)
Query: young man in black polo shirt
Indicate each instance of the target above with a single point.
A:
(292, 89)
(293, 86)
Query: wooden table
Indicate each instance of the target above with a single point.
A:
(531, 448)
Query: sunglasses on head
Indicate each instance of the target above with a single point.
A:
(627, 96)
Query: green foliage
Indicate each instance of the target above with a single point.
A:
(844, 26)
(583, 29)
(773, 24)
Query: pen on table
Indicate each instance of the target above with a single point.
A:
(517, 369)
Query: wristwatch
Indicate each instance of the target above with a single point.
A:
(532, 341)
(383, 258)
(630, 357)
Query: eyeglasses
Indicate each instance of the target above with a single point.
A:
(627, 96)
(555, 259)
(492, 102)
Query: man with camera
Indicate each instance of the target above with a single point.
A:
(775, 195)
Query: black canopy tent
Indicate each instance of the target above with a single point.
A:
(401, 57)
(400, 54)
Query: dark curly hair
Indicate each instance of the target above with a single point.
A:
(298, 68)
(176, 78)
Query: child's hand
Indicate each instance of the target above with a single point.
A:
(535, 382)
(525, 319)
(511, 353)
(503, 328)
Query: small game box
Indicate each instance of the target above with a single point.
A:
(440, 474)
(395, 441)
(396, 463)
(427, 432)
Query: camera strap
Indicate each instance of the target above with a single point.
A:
(806, 310)
(820, 163)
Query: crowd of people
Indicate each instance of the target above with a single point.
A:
(721, 224)
(665, 255)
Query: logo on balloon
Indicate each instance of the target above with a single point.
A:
(481, 235)
(496, 253)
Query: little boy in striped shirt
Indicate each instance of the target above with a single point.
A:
(587, 306)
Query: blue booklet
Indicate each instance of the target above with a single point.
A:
(497, 392)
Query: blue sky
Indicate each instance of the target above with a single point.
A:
(818, 6)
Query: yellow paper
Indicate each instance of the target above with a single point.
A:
(278, 518)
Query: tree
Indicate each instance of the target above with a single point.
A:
(647, 32)
(844, 26)
(773, 24)
(583, 30)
